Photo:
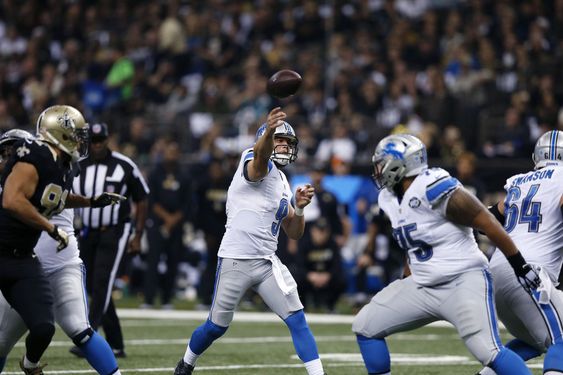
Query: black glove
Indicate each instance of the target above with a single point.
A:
(60, 236)
(106, 199)
(526, 274)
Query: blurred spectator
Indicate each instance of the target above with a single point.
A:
(211, 198)
(325, 205)
(382, 259)
(511, 139)
(339, 147)
(466, 168)
(321, 265)
(170, 204)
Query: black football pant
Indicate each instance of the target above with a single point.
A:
(172, 247)
(101, 251)
(28, 291)
(207, 282)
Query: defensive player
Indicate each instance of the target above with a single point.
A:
(36, 182)
(431, 214)
(65, 272)
(532, 214)
(258, 205)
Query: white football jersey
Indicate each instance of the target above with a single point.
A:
(438, 250)
(46, 248)
(533, 218)
(255, 211)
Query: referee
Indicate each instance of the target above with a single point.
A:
(105, 231)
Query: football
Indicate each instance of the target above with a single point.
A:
(284, 83)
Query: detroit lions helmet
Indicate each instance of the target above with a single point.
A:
(398, 156)
(283, 131)
(64, 127)
(548, 149)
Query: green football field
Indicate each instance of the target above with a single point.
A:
(263, 346)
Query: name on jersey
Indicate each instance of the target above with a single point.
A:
(537, 175)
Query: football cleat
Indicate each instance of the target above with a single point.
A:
(182, 368)
(33, 371)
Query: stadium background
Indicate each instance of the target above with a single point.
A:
(471, 76)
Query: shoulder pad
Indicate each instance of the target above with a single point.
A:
(439, 184)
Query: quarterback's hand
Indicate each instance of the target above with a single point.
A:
(303, 195)
(60, 236)
(106, 199)
(526, 274)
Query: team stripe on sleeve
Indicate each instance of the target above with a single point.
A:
(441, 188)
(250, 156)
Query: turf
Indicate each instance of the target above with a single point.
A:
(154, 347)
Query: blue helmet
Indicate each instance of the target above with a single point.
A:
(396, 157)
(283, 131)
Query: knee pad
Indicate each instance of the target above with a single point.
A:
(213, 330)
(43, 330)
(83, 337)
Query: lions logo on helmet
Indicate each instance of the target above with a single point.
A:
(396, 157)
(283, 131)
(548, 149)
(64, 127)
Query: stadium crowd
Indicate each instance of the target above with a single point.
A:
(475, 80)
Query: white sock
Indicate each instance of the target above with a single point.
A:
(117, 372)
(190, 357)
(553, 373)
(487, 371)
(28, 364)
(314, 367)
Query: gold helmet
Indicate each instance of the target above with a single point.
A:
(64, 127)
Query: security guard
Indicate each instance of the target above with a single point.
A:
(105, 233)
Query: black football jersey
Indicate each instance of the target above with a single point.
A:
(53, 187)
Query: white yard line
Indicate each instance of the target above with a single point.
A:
(397, 360)
(243, 316)
(261, 340)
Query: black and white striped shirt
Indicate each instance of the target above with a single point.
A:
(116, 173)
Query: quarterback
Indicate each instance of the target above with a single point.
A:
(432, 215)
(258, 205)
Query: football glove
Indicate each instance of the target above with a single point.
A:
(60, 236)
(526, 274)
(106, 199)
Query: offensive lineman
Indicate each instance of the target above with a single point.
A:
(65, 272)
(431, 214)
(36, 182)
(258, 204)
(532, 214)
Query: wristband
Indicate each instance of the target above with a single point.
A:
(299, 211)
(517, 262)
